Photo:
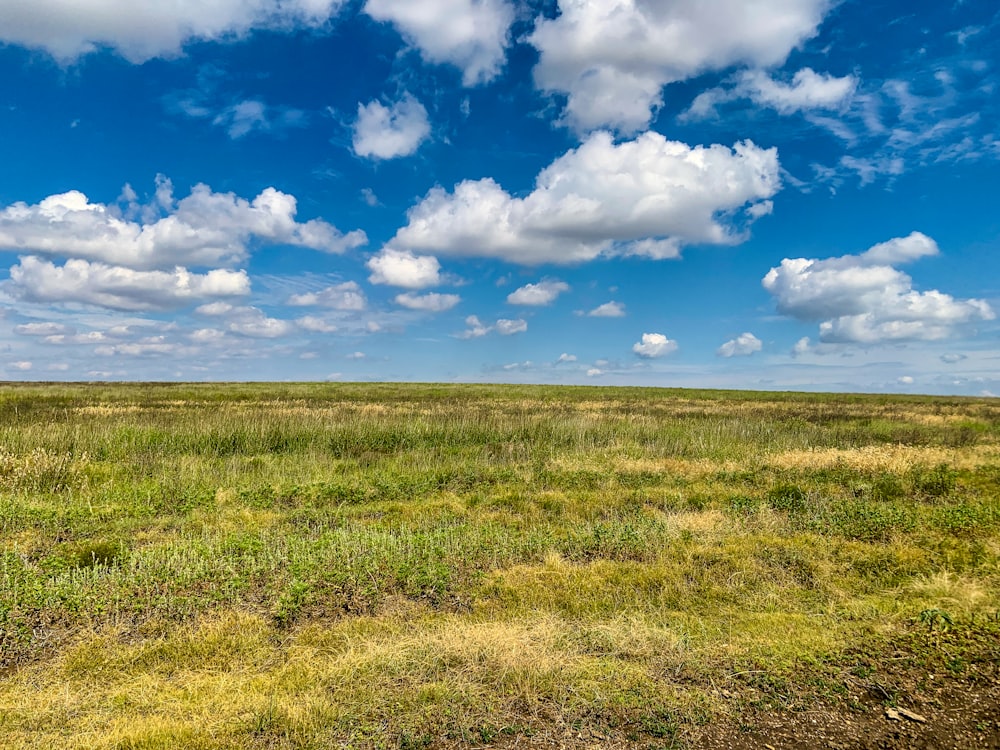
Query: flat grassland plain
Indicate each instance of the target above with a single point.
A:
(408, 566)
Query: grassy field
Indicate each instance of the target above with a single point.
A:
(407, 566)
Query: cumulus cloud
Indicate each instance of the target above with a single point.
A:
(608, 310)
(654, 345)
(213, 308)
(254, 323)
(207, 336)
(564, 357)
(542, 293)
(648, 197)
(474, 328)
(382, 132)
(42, 329)
(22, 366)
(142, 29)
(470, 34)
(612, 58)
(510, 327)
(150, 346)
(864, 299)
(118, 288)
(742, 346)
(315, 325)
(344, 296)
(808, 90)
(204, 229)
(428, 302)
(403, 268)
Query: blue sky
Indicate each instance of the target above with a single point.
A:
(776, 194)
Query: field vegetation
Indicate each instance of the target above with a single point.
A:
(408, 566)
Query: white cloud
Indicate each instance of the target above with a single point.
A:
(471, 34)
(41, 329)
(250, 115)
(474, 328)
(22, 366)
(91, 337)
(526, 365)
(403, 268)
(428, 302)
(344, 296)
(382, 132)
(612, 57)
(207, 336)
(645, 197)
(356, 356)
(254, 323)
(905, 380)
(864, 299)
(315, 325)
(136, 349)
(203, 229)
(742, 346)
(951, 359)
(654, 345)
(214, 308)
(594, 372)
(564, 357)
(808, 90)
(542, 293)
(608, 310)
(510, 327)
(802, 346)
(143, 29)
(37, 280)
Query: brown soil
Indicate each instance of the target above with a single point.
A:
(960, 713)
(951, 680)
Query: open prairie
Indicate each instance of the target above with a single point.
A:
(409, 566)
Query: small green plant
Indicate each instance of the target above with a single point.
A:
(936, 618)
(787, 497)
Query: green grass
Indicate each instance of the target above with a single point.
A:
(310, 565)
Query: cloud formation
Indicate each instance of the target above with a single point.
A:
(470, 34)
(345, 296)
(203, 229)
(742, 346)
(648, 197)
(382, 132)
(864, 299)
(654, 345)
(403, 268)
(432, 302)
(475, 328)
(142, 29)
(608, 310)
(509, 327)
(808, 90)
(119, 288)
(542, 293)
(612, 58)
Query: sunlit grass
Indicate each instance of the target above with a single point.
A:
(310, 565)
